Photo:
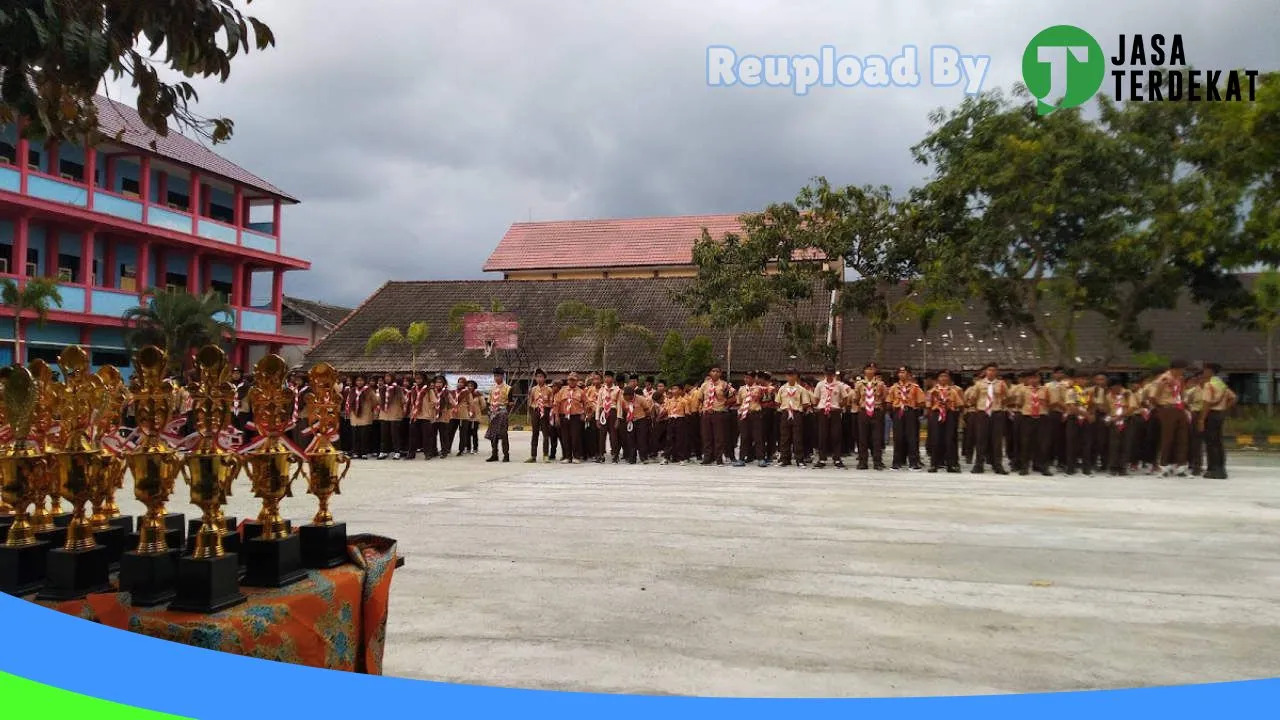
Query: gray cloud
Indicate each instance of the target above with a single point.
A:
(416, 132)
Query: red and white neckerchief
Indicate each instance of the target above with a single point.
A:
(648, 393)
(415, 400)
(709, 391)
(631, 415)
(1035, 402)
(354, 404)
(1177, 394)
(442, 399)
(903, 391)
(940, 399)
(791, 391)
(869, 399)
(541, 403)
(1119, 411)
(745, 408)
(991, 397)
(297, 402)
(827, 396)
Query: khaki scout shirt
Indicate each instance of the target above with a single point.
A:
(1217, 396)
(990, 395)
(1167, 391)
(607, 399)
(714, 396)
(750, 397)
(392, 403)
(793, 398)
(1119, 406)
(640, 408)
(830, 396)
(1032, 402)
(946, 397)
(868, 395)
(541, 399)
(903, 396)
(674, 406)
(571, 401)
(363, 404)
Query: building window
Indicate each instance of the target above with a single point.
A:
(33, 159)
(130, 186)
(118, 358)
(178, 201)
(71, 170)
(8, 153)
(42, 352)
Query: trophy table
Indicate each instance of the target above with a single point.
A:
(274, 557)
(22, 556)
(324, 541)
(208, 577)
(149, 571)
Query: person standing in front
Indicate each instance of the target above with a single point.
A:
(1035, 428)
(906, 399)
(1217, 399)
(391, 418)
(714, 394)
(499, 416)
(793, 400)
(751, 422)
(946, 403)
(1174, 418)
(868, 402)
(569, 408)
(991, 394)
(1121, 408)
(636, 422)
(362, 405)
(540, 401)
(831, 395)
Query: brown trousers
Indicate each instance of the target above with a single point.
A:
(608, 435)
(1175, 431)
(715, 434)
(791, 435)
(751, 434)
(830, 430)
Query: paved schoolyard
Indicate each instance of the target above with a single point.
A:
(790, 582)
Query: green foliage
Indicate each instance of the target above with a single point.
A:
(698, 359)
(458, 313)
(671, 358)
(180, 323)
(1151, 362)
(1251, 421)
(603, 325)
(55, 54)
(415, 336)
(38, 295)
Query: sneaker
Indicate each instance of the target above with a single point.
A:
(531, 460)
(819, 465)
(762, 464)
(492, 458)
(838, 464)
(739, 463)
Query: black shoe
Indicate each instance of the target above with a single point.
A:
(895, 467)
(1024, 471)
(977, 469)
(953, 469)
(492, 458)
(839, 464)
(819, 465)
(506, 459)
(785, 463)
(879, 466)
(999, 470)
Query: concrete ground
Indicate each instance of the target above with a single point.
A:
(802, 582)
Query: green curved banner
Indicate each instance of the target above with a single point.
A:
(26, 699)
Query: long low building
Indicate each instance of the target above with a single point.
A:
(963, 340)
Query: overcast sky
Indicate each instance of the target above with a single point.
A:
(415, 132)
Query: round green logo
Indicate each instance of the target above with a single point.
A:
(1063, 67)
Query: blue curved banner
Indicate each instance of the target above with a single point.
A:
(64, 652)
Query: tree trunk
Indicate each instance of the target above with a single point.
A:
(1271, 377)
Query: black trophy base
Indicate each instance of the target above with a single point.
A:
(273, 563)
(323, 546)
(56, 537)
(124, 521)
(22, 568)
(253, 528)
(172, 540)
(193, 527)
(62, 519)
(149, 579)
(72, 574)
(113, 539)
(207, 585)
(5, 522)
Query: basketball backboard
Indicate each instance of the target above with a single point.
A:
(489, 331)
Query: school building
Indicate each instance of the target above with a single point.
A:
(113, 221)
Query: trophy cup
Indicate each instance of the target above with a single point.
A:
(207, 579)
(6, 447)
(110, 528)
(79, 567)
(50, 524)
(149, 572)
(274, 557)
(324, 542)
(22, 472)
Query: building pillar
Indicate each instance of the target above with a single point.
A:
(86, 339)
(238, 275)
(51, 167)
(275, 221)
(108, 279)
(246, 294)
(277, 300)
(90, 174)
(144, 188)
(24, 158)
(21, 230)
(193, 202)
(237, 210)
(193, 274)
(162, 189)
(52, 246)
(86, 258)
(143, 270)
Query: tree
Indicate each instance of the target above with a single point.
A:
(1266, 297)
(37, 295)
(55, 55)
(602, 325)
(415, 336)
(671, 358)
(180, 323)
(459, 312)
(698, 359)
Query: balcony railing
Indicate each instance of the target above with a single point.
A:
(257, 322)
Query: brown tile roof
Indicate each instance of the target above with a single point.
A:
(114, 117)
(629, 242)
(317, 312)
(962, 341)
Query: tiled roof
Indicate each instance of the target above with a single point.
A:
(616, 243)
(114, 117)
(962, 341)
(317, 312)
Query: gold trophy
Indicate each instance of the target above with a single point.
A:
(274, 557)
(110, 528)
(148, 572)
(324, 542)
(50, 522)
(79, 567)
(22, 472)
(208, 577)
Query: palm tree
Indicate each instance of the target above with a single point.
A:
(38, 295)
(180, 322)
(415, 337)
(603, 326)
(459, 312)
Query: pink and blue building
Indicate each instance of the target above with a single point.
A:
(113, 221)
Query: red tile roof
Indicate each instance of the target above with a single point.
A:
(114, 117)
(631, 242)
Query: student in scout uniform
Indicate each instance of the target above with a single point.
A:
(1078, 416)
(658, 441)
(608, 398)
(868, 402)
(672, 413)
(1057, 388)
(991, 395)
(1217, 399)
(477, 403)
(440, 403)
(1171, 412)
(1102, 433)
(1120, 407)
(793, 401)
(1150, 441)
(751, 422)
(946, 404)
(570, 407)
(362, 405)
(769, 414)
(459, 412)
(1035, 427)
(969, 423)
(732, 431)
(714, 395)
(590, 431)
(390, 414)
(849, 416)
(556, 385)
(636, 413)
(499, 415)
(541, 398)
(905, 400)
(1012, 451)
(693, 411)
(1195, 406)
(830, 397)
(422, 434)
